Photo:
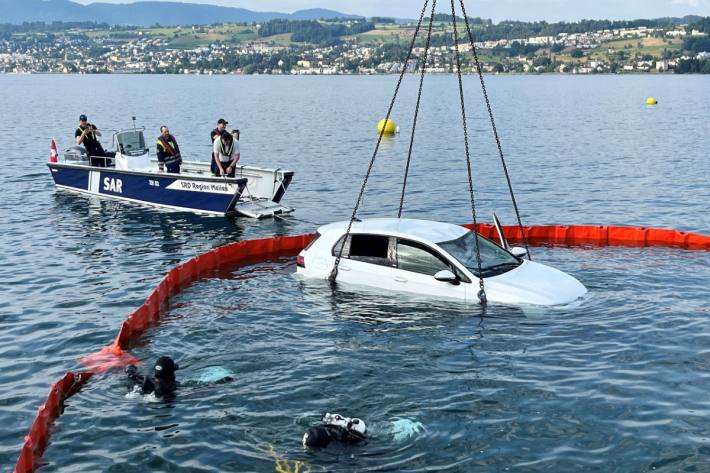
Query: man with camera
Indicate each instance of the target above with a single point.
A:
(86, 134)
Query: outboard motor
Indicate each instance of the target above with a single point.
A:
(76, 154)
(335, 427)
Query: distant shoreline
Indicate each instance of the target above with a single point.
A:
(486, 74)
(345, 47)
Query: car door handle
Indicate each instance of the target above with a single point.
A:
(344, 268)
(400, 279)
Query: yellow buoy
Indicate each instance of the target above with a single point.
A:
(387, 124)
(651, 101)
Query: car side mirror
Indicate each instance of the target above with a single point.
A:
(518, 251)
(446, 276)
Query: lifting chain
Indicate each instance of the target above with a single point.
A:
(481, 292)
(493, 125)
(416, 108)
(334, 272)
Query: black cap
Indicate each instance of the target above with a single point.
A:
(222, 121)
(165, 367)
(82, 118)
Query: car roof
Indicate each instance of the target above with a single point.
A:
(424, 230)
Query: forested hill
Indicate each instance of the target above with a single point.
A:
(144, 13)
(486, 30)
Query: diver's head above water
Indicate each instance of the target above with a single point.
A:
(161, 384)
(165, 368)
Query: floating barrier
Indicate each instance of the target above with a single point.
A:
(37, 439)
(599, 235)
(114, 355)
(147, 315)
(254, 251)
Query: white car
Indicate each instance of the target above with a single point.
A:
(433, 259)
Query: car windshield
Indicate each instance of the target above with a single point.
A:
(494, 259)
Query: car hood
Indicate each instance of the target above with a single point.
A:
(534, 283)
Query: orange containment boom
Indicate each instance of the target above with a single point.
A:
(255, 251)
(114, 355)
(38, 437)
(599, 235)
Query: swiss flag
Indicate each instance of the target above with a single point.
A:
(53, 152)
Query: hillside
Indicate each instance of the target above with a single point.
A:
(283, 46)
(145, 13)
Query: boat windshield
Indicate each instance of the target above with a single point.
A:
(494, 259)
(131, 142)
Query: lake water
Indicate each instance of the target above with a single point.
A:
(618, 384)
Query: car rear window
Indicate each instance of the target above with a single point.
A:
(368, 248)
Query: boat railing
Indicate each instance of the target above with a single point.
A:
(203, 167)
(108, 161)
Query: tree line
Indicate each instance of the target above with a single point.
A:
(487, 31)
(697, 44)
(702, 25)
(311, 31)
(484, 29)
(55, 26)
(692, 66)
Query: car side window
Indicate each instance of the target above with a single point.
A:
(372, 249)
(412, 256)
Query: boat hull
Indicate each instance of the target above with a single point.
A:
(215, 196)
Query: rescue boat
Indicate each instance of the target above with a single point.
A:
(133, 176)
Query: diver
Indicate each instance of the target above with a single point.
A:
(161, 384)
(335, 427)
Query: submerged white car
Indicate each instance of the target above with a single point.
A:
(433, 259)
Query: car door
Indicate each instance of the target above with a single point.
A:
(416, 265)
(367, 260)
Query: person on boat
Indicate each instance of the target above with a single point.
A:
(86, 134)
(217, 132)
(235, 134)
(225, 155)
(161, 384)
(168, 152)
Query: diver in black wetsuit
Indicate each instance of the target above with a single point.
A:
(162, 383)
(335, 427)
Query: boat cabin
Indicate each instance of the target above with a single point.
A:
(131, 150)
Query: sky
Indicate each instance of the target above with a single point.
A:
(526, 10)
